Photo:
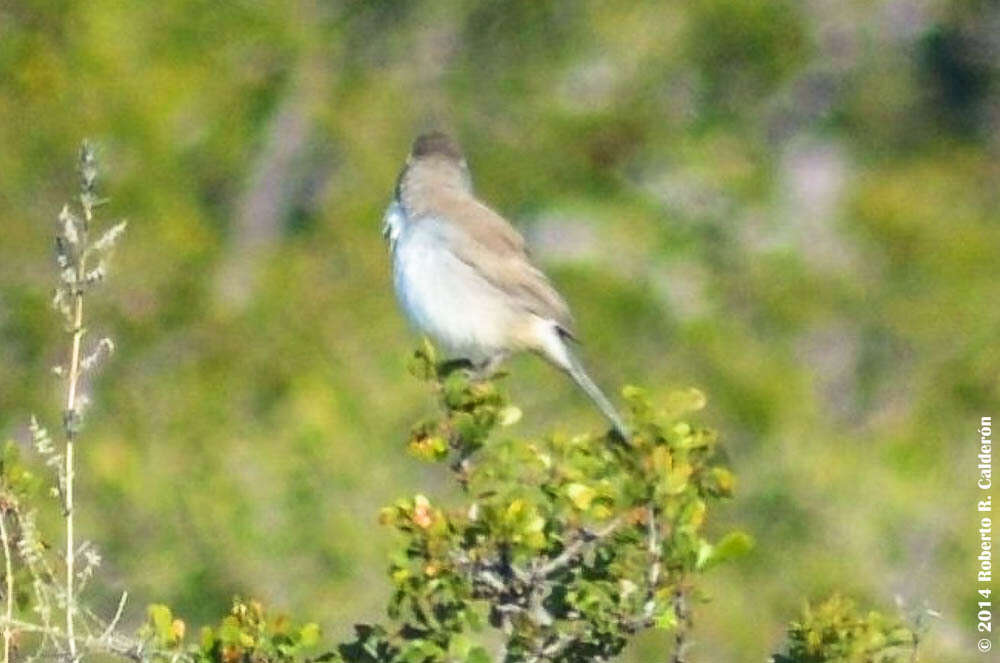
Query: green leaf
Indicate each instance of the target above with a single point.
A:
(535, 525)
(309, 635)
(637, 401)
(666, 619)
(723, 482)
(429, 448)
(458, 647)
(677, 478)
(207, 638)
(705, 552)
(161, 619)
(423, 364)
(732, 545)
(229, 631)
(682, 401)
(509, 415)
(580, 495)
(478, 655)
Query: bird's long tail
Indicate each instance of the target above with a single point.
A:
(579, 375)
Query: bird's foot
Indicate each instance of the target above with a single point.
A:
(446, 368)
(474, 371)
(489, 368)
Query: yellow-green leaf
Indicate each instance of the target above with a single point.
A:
(580, 495)
(509, 415)
(161, 619)
(309, 634)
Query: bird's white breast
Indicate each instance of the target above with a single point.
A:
(443, 296)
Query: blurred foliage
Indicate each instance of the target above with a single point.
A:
(791, 204)
(246, 635)
(835, 631)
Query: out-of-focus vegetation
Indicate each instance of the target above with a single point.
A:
(836, 630)
(791, 204)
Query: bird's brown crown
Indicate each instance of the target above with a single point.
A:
(436, 143)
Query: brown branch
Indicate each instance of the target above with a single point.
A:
(682, 635)
(655, 554)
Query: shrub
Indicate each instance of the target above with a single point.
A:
(566, 545)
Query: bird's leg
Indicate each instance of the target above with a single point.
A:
(477, 371)
(488, 367)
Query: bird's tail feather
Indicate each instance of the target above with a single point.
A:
(579, 375)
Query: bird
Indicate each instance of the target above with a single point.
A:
(463, 276)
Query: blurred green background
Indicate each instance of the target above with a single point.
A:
(792, 205)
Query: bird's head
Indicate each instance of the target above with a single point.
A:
(436, 144)
(436, 160)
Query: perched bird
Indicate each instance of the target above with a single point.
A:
(463, 276)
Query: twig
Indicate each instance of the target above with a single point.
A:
(114, 620)
(557, 647)
(683, 630)
(508, 630)
(487, 577)
(655, 555)
(575, 548)
(70, 423)
(124, 647)
(8, 585)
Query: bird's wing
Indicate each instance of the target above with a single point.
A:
(484, 240)
(392, 223)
